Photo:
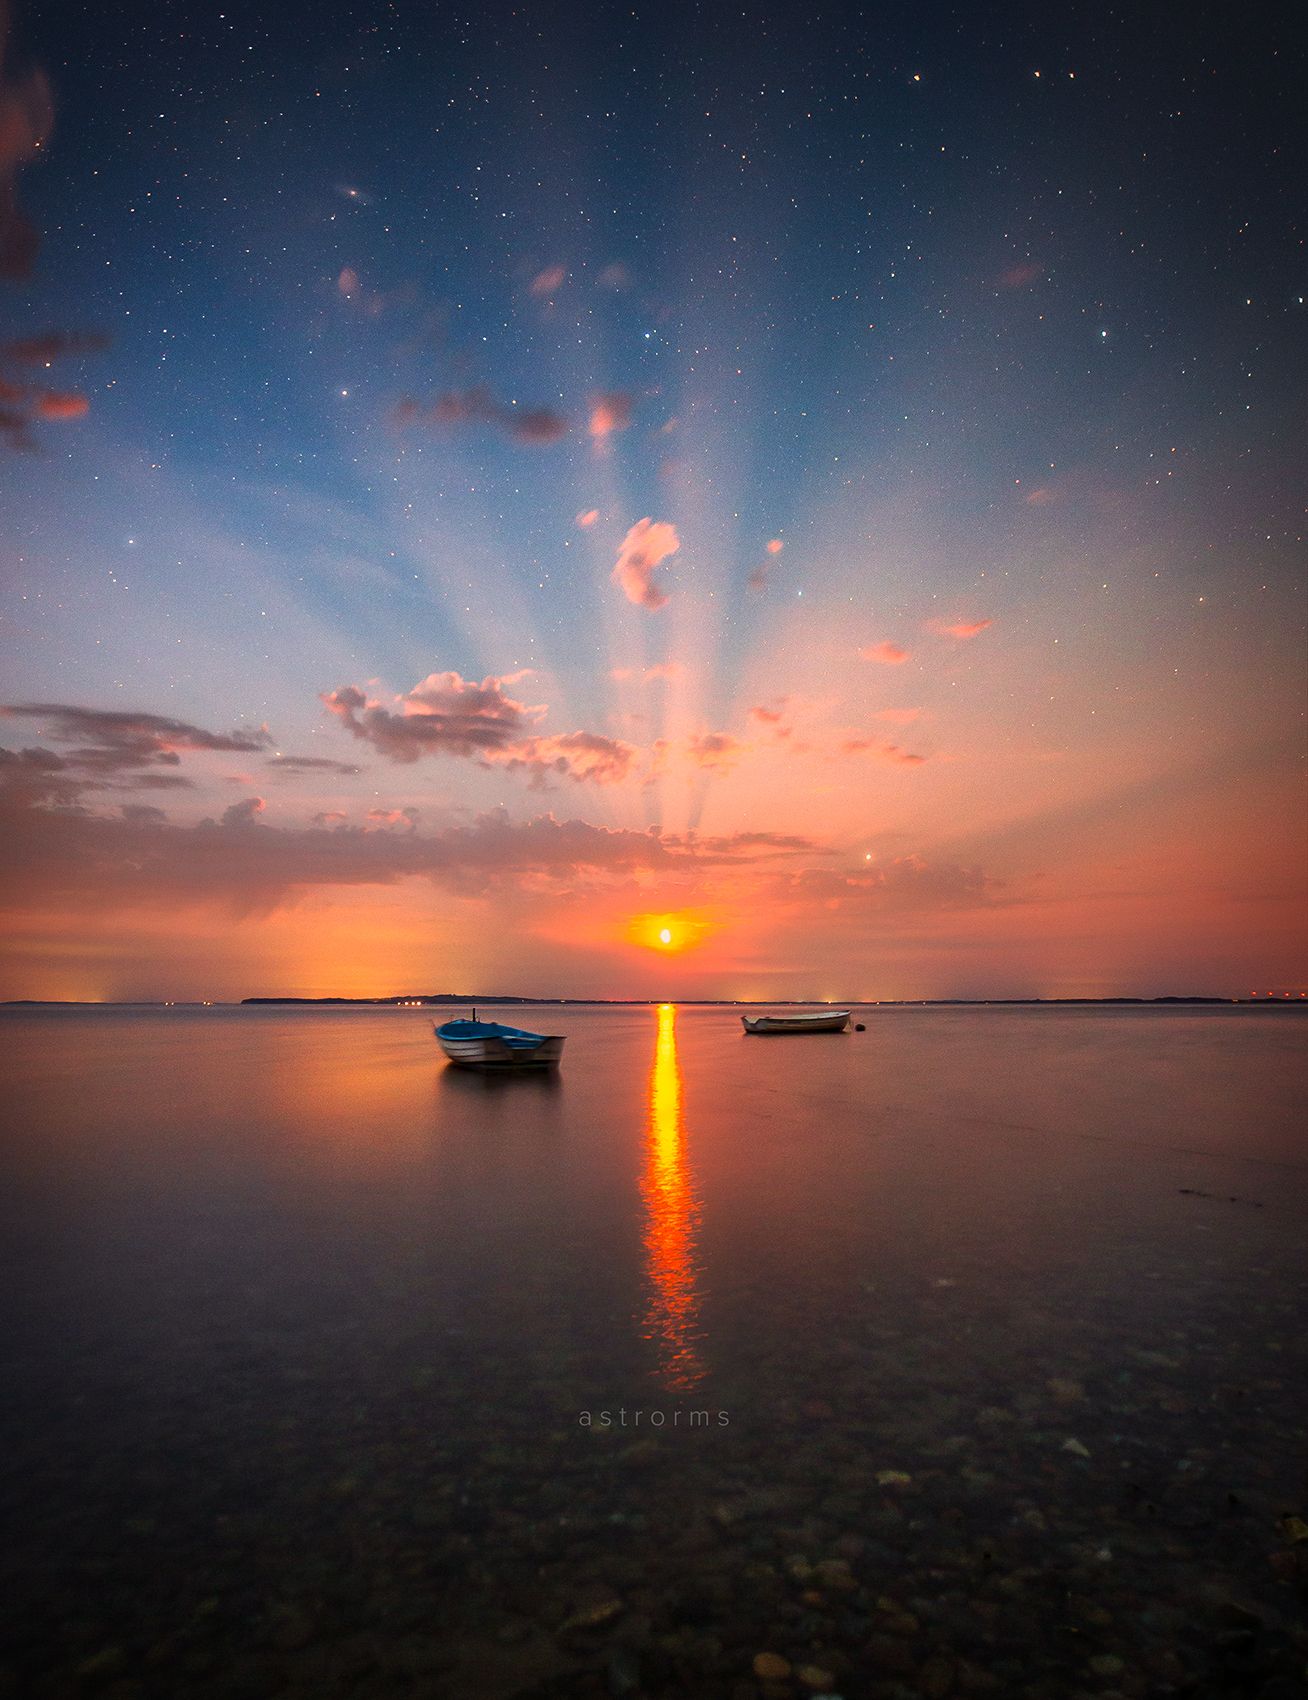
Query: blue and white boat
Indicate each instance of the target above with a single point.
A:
(488, 1044)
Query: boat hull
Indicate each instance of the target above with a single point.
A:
(494, 1053)
(836, 1021)
(487, 1045)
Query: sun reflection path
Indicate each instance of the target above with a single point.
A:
(671, 1220)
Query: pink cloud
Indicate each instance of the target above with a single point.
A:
(546, 282)
(444, 715)
(587, 519)
(348, 281)
(889, 654)
(1040, 497)
(586, 757)
(768, 716)
(609, 413)
(775, 546)
(899, 716)
(963, 628)
(1017, 276)
(718, 752)
(54, 404)
(615, 277)
(449, 715)
(648, 543)
(887, 752)
(395, 817)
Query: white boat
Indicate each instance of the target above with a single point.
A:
(823, 1021)
(488, 1044)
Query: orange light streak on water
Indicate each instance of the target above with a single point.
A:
(671, 1220)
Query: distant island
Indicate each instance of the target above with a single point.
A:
(410, 1000)
(425, 998)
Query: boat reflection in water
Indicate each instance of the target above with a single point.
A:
(671, 1221)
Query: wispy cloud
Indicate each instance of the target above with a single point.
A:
(547, 282)
(477, 406)
(961, 628)
(113, 742)
(644, 548)
(26, 119)
(312, 764)
(878, 747)
(887, 653)
(608, 413)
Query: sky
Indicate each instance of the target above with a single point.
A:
(652, 501)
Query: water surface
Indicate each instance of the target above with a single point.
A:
(963, 1355)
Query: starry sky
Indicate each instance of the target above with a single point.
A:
(483, 489)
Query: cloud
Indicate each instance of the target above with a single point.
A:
(477, 406)
(444, 715)
(26, 119)
(56, 404)
(609, 413)
(718, 752)
(646, 545)
(889, 654)
(768, 716)
(449, 715)
(547, 282)
(899, 716)
(1040, 497)
(535, 425)
(758, 579)
(962, 628)
(244, 813)
(647, 675)
(905, 884)
(615, 277)
(587, 519)
(408, 817)
(115, 742)
(775, 546)
(744, 846)
(51, 854)
(312, 764)
(877, 747)
(1017, 276)
(23, 403)
(587, 757)
(49, 346)
(348, 282)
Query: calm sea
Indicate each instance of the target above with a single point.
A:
(963, 1355)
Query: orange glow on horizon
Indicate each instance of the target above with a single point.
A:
(672, 1217)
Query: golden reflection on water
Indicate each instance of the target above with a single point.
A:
(671, 1220)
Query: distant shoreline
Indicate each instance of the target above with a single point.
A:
(441, 1000)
